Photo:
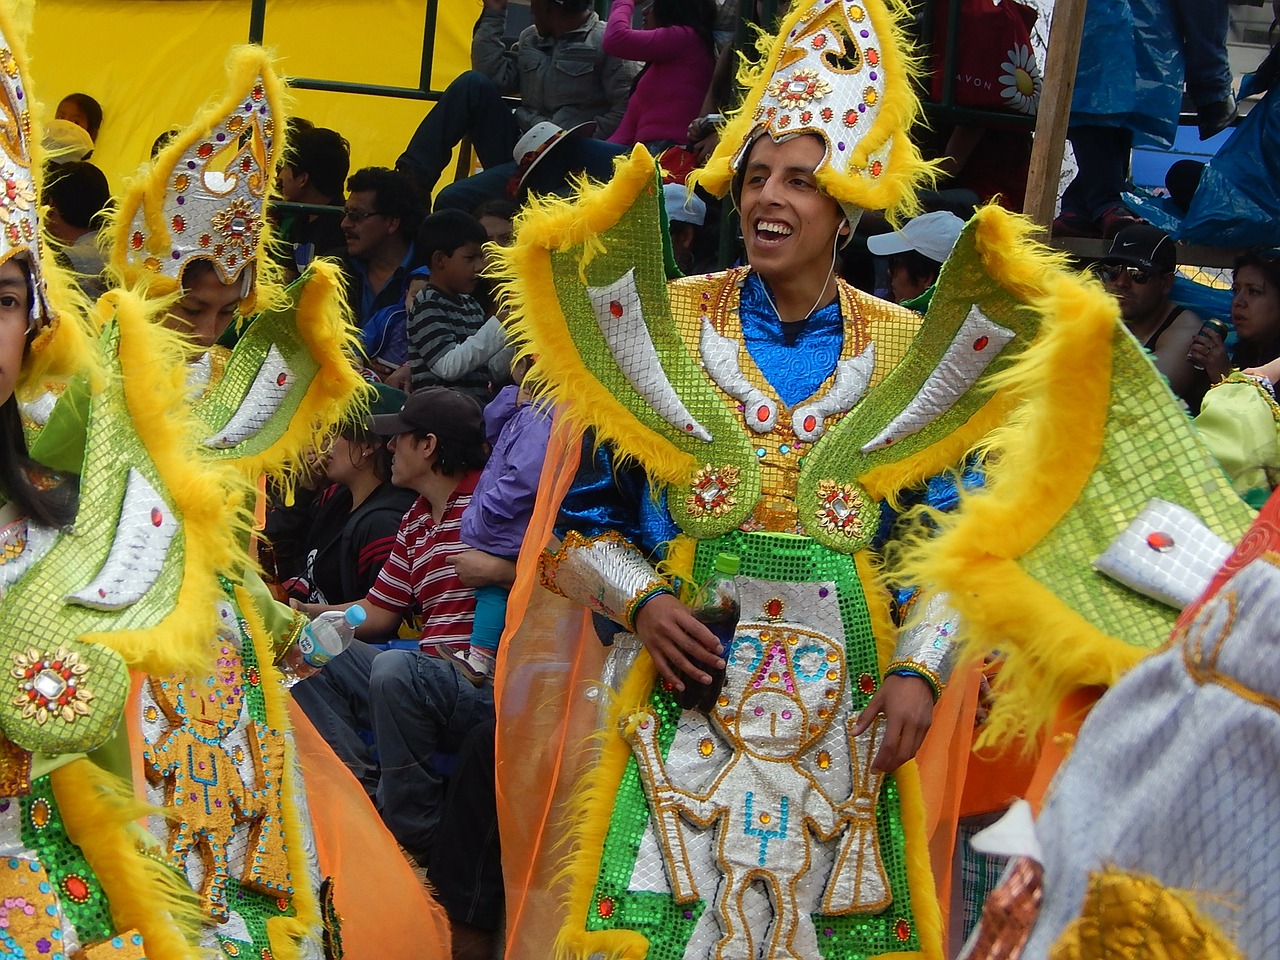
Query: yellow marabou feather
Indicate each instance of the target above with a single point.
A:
(592, 803)
(540, 328)
(1047, 452)
(143, 893)
(1022, 266)
(209, 498)
(336, 394)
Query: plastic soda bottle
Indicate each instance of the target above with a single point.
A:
(717, 606)
(320, 641)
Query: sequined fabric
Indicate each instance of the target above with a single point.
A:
(1131, 470)
(250, 405)
(1183, 754)
(216, 761)
(788, 584)
(927, 642)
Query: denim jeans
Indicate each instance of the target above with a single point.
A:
(1102, 154)
(1203, 25)
(416, 705)
(471, 106)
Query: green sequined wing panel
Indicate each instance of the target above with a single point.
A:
(938, 401)
(289, 378)
(1149, 450)
(759, 873)
(1098, 436)
(120, 568)
(588, 287)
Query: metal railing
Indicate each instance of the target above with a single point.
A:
(257, 30)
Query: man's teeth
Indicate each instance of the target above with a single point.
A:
(779, 229)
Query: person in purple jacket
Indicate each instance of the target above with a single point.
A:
(678, 50)
(496, 520)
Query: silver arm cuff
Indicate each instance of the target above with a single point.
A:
(606, 573)
(926, 645)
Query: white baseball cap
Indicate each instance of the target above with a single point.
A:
(683, 206)
(933, 235)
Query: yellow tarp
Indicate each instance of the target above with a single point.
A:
(151, 63)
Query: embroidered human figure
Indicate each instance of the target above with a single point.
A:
(203, 784)
(776, 705)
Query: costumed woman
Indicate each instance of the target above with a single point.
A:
(778, 415)
(129, 584)
(190, 237)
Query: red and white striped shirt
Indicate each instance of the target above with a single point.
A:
(418, 576)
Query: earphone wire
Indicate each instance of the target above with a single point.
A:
(831, 270)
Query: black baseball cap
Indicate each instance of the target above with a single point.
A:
(1145, 246)
(439, 410)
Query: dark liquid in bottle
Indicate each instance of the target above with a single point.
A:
(702, 696)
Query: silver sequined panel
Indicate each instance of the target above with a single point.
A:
(1186, 775)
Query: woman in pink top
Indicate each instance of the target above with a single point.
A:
(678, 52)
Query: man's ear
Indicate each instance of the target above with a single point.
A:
(393, 226)
(302, 179)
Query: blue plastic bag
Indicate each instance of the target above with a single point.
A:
(1237, 203)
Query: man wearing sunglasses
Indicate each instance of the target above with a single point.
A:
(1138, 271)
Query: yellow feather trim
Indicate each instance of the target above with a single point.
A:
(337, 393)
(1020, 265)
(540, 328)
(678, 563)
(143, 893)
(154, 180)
(209, 498)
(592, 803)
(895, 191)
(285, 933)
(1067, 376)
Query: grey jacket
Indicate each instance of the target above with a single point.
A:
(568, 79)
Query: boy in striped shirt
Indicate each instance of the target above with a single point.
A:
(453, 342)
(415, 704)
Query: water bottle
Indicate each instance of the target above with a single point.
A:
(717, 607)
(320, 641)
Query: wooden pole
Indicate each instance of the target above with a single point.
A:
(1054, 111)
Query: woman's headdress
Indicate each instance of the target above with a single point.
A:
(61, 346)
(204, 196)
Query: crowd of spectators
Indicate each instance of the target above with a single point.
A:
(388, 526)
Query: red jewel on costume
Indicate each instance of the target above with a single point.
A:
(980, 344)
(1160, 541)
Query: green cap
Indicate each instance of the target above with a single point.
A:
(727, 563)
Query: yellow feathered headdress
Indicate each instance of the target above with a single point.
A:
(204, 196)
(837, 69)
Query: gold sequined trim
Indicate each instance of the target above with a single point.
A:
(915, 666)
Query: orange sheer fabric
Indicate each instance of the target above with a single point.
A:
(385, 910)
(549, 661)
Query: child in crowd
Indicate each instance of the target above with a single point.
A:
(452, 341)
(501, 506)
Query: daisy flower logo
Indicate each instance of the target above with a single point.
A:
(1020, 79)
